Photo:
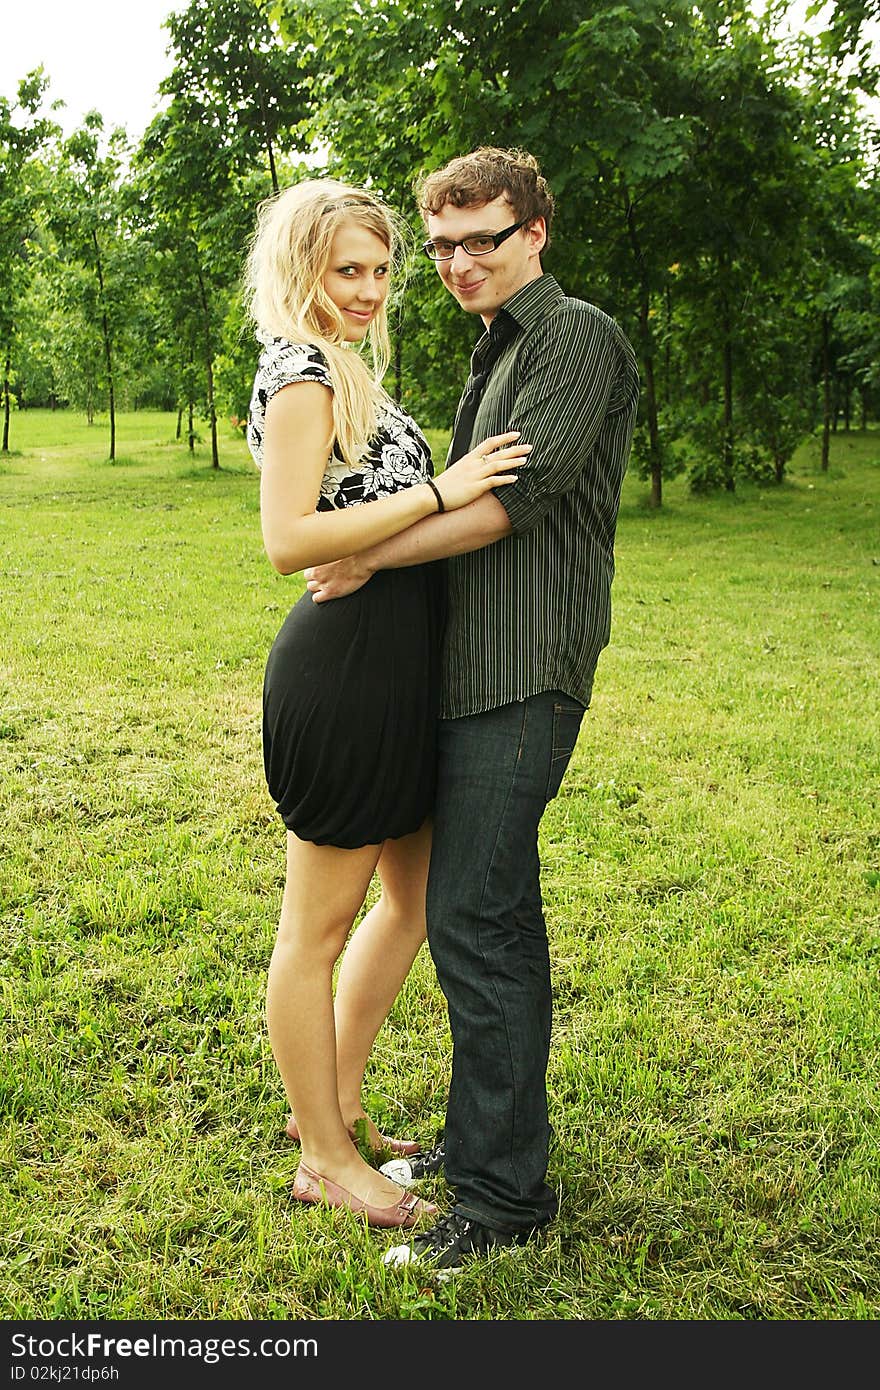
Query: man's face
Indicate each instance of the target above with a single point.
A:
(481, 284)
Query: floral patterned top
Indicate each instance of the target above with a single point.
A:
(397, 456)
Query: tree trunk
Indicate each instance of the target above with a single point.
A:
(108, 349)
(656, 499)
(190, 403)
(272, 170)
(7, 368)
(667, 351)
(826, 389)
(179, 421)
(727, 441)
(212, 413)
(209, 368)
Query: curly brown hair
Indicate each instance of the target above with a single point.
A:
(487, 173)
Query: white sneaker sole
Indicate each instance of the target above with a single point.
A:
(400, 1255)
(399, 1170)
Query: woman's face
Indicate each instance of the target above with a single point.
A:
(356, 278)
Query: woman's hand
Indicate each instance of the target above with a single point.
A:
(485, 467)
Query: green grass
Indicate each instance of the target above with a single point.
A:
(712, 883)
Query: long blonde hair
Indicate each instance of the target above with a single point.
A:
(284, 294)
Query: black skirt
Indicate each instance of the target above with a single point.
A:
(350, 707)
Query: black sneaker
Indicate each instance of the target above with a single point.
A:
(423, 1165)
(444, 1246)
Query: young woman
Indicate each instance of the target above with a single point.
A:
(349, 694)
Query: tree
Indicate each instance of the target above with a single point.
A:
(22, 134)
(202, 167)
(840, 245)
(233, 74)
(197, 229)
(85, 218)
(668, 131)
(625, 75)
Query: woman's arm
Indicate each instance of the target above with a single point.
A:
(436, 538)
(297, 440)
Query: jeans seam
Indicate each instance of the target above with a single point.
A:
(501, 1006)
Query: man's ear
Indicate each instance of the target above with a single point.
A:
(537, 234)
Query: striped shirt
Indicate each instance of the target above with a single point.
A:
(532, 612)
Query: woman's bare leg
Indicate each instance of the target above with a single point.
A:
(324, 890)
(376, 963)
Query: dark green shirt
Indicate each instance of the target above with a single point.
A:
(532, 611)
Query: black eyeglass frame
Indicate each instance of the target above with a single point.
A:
(496, 238)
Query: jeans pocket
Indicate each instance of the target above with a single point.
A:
(566, 727)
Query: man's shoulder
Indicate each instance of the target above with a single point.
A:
(575, 320)
(589, 313)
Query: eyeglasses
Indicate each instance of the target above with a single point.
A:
(480, 245)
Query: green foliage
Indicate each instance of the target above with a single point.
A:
(204, 164)
(666, 451)
(848, 34)
(671, 135)
(233, 78)
(435, 340)
(23, 133)
(88, 261)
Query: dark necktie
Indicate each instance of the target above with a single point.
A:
(501, 330)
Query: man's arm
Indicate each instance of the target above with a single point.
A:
(577, 380)
(469, 528)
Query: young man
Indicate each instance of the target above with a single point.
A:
(529, 576)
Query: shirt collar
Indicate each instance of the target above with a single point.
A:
(530, 304)
(524, 310)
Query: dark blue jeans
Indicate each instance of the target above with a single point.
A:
(488, 941)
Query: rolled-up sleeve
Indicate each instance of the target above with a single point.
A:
(567, 379)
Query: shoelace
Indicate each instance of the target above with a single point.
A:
(447, 1231)
(433, 1159)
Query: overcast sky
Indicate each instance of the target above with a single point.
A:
(102, 55)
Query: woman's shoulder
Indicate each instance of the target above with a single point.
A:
(282, 360)
(281, 363)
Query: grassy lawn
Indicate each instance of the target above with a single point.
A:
(712, 883)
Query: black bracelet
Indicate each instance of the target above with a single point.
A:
(436, 491)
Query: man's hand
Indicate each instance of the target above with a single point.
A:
(336, 579)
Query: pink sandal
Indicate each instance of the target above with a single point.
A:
(309, 1186)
